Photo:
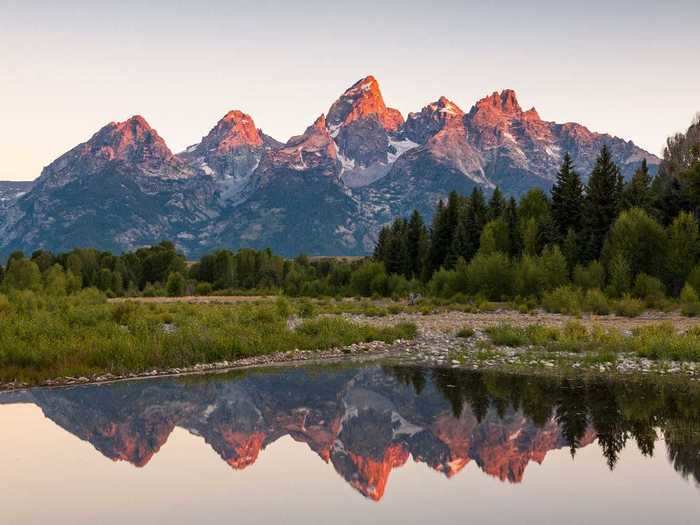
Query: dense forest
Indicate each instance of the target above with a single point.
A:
(606, 237)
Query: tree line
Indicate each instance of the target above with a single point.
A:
(639, 236)
(606, 233)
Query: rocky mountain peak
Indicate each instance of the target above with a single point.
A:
(234, 130)
(133, 141)
(363, 99)
(311, 149)
(503, 104)
(431, 119)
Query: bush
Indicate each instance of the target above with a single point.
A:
(306, 309)
(465, 333)
(596, 302)
(554, 268)
(628, 306)
(368, 278)
(284, 309)
(203, 288)
(650, 289)
(694, 278)
(443, 283)
(175, 285)
(491, 276)
(507, 335)
(690, 304)
(563, 300)
(590, 276)
(620, 276)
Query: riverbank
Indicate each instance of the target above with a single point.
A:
(534, 343)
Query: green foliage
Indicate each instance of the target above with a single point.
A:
(620, 276)
(628, 306)
(683, 239)
(465, 333)
(603, 195)
(563, 300)
(590, 276)
(650, 289)
(567, 199)
(595, 302)
(46, 337)
(495, 237)
(639, 240)
(22, 274)
(507, 335)
(175, 286)
(491, 276)
(690, 303)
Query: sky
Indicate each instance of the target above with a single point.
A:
(629, 68)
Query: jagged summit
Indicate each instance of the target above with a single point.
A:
(362, 100)
(234, 130)
(432, 118)
(133, 140)
(326, 190)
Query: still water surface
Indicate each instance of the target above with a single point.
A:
(374, 444)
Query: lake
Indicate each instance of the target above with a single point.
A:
(352, 444)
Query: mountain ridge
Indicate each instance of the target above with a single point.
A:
(326, 191)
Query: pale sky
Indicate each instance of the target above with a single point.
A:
(630, 68)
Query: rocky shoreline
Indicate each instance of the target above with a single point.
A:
(437, 345)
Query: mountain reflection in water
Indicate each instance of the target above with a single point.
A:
(368, 421)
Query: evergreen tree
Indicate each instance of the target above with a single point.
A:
(417, 244)
(511, 219)
(637, 192)
(397, 259)
(382, 244)
(497, 204)
(440, 238)
(567, 199)
(460, 244)
(602, 204)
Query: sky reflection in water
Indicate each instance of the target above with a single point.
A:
(346, 444)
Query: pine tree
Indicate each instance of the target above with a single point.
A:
(440, 238)
(511, 219)
(382, 244)
(417, 244)
(567, 198)
(602, 204)
(497, 204)
(637, 192)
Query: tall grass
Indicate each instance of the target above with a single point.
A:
(84, 335)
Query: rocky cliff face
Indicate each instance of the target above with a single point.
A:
(326, 191)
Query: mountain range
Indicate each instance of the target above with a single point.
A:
(326, 191)
(364, 423)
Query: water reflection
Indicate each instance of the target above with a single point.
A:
(368, 421)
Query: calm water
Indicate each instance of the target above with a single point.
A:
(351, 445)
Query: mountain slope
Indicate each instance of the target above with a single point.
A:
(325, 191)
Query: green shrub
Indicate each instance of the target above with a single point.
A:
(203, 288)
(175, 285)
(563, 300)
(690, 304)
(650, 289)
(284, 309)
(596, 302)
(491, 276)
(590, 276)
(554, 268)
(465, 333)
(620, 276)
(628, 306)
(306, 309)
(507, 335)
